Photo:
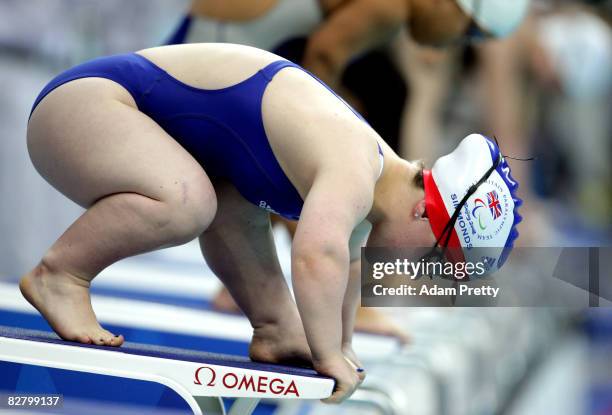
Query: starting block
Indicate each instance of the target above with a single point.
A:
(200, 378)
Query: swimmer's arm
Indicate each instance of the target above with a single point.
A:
(350, 30)
(320, 257)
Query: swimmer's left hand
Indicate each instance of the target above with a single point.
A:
(345, 374)
(353, 360)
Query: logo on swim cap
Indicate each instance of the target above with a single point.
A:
(489, 211)
(494, 206)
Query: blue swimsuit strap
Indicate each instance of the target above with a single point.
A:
(271, 70)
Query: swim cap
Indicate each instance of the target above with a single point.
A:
(498, 17)
(485, 228)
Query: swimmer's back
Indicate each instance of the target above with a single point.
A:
(209, 65)
(307, 125)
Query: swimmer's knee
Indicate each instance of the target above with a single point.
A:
(170, 220)
(190, 214)
(187, 225)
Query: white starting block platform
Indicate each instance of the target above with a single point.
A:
(169, 319)
(200, 378)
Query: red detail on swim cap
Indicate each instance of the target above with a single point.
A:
(439, 217)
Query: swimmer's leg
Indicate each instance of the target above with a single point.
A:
(239, 248)
(223, 301)
(141, 189)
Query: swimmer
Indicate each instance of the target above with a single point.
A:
(325, 36)
(203, 141)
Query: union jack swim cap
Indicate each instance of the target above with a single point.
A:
(485, 227)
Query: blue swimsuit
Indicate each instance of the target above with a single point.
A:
(222, 129)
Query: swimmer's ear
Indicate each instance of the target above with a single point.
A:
(419, 213)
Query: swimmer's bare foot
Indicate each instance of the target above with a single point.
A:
(224, 302)
(272, 343)
(370, 320)
(63, 300)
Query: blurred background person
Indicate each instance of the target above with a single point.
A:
(344, 42)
